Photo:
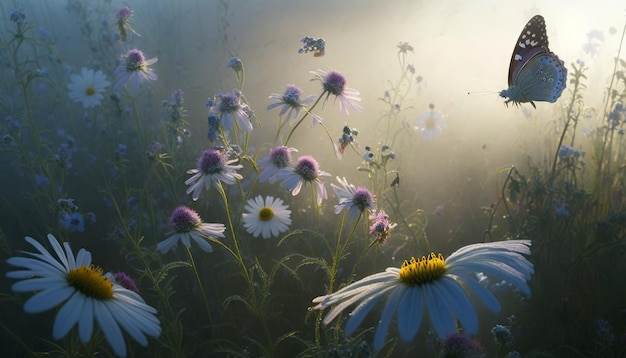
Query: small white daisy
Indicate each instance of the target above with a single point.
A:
(430, 124)
(266, 217)
(187, 225)
(84, 294)
(88, 87)
(433, 284)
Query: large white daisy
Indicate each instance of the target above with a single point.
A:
(440, 286)
(84, 294)
(88, 87)
(266, 217)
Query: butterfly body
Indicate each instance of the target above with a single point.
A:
(535, 73)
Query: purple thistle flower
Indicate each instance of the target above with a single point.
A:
(291, 104)
(279, 158)
(187, 225)
(122, 279)
(335, 83)
(355, 200)
(228, 108)
(306, 170)
(213, 166)
(134, 68)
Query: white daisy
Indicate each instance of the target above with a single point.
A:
(213, 166)
(266, 217)
(431, 123)
(84, 294)
(434, 284)
(88, 87)
(187, 225)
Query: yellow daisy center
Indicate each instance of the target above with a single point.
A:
(266, 214)
(90, 91)
(430, 123)
(91, 282)
(423, 270)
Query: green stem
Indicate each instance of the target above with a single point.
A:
(303, 117)
(202, 291)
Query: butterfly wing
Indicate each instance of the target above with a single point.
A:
(535, 73)
(532, 41)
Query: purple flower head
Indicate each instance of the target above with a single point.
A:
(291, 103)
(355, 200)
(459, 345)
(184, 219)
(280, 157)
(501, 334)
(381, 226)
(291, 96)
(211, 161)
(135, 60)
(122, 279)
(213, 167)
(363, 199)
(305, 171)
(229, 103)
(123, 14)
(307, 168)
(229, 108)
(235, 64)
(334, 83)
(17, 16)
(135, 68)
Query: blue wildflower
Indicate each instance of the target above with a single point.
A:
(41, 180)
(502, 334)
(73, 221)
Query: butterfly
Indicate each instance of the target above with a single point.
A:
(535, 73)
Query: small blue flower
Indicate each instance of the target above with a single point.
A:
(501, 334)
(562, 211)
(17, 16)
(73, 222)
(41, 180)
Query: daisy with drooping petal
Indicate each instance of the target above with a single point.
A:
(355, 200)
(279, 158)
(88, 87)
(228, 108)
(430, 124)
(84, 294)
(305, 171)
(134, 68)
(290, 102)
(213, 166)
(266, 217)
(440, 286)
(187, 225)
(334, 83)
